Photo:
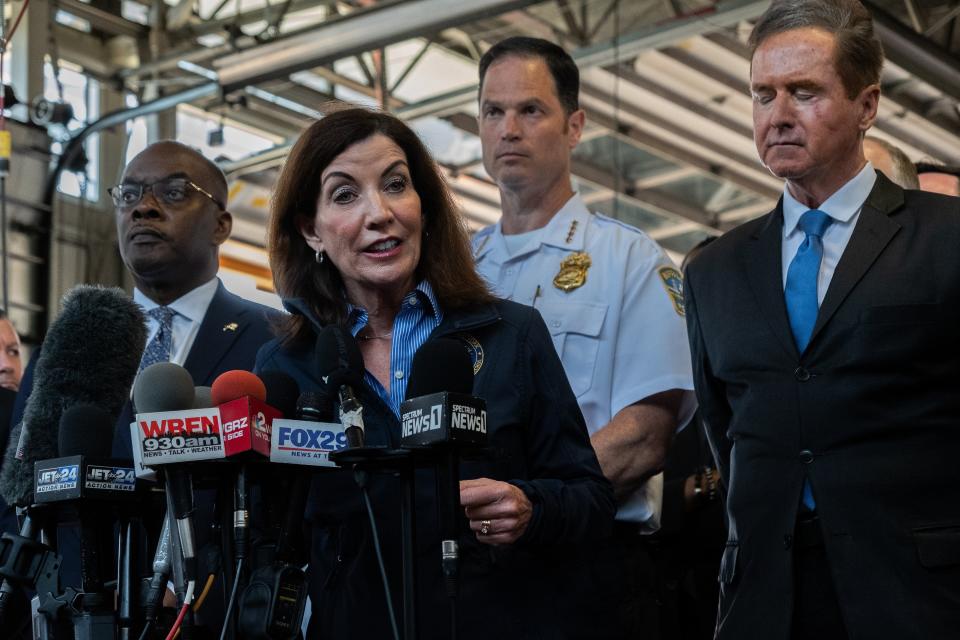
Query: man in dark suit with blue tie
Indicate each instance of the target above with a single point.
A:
(171, 220)
(826, 360)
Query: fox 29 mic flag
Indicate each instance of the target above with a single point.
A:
(89, 356)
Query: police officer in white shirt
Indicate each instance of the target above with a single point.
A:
(610, 296)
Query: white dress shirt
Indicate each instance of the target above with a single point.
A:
(844, 208)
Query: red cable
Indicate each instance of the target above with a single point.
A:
(16, 23)
(176, 625)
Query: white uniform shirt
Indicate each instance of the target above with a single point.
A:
(621, 335)
(191, 308)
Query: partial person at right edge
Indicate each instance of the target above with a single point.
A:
(826, 355)
(939, 178)
(891, 161)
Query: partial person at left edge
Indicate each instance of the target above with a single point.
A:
(171, 217)
(11, 369)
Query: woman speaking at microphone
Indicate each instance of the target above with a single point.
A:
(364, 234)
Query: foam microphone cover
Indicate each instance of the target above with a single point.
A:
(440, 365)
(90, 356)
(164, 386)
(86, 430)
(202, 398)
(317, 405)
(231, 385)
(282, 392)
(338, 357)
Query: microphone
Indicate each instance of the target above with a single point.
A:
(88, 484)
(231, 385)
(273, 602)
(202, 398)
(161, 572)
(439, 408)
(168, 387)
(228, 387)
(340, 365)
(440, 412)
(90, 355)
(176, 424)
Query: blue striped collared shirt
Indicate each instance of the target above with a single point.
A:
(419, 315)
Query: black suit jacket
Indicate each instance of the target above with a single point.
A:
(869, 414)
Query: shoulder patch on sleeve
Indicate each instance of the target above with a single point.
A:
(673, 283)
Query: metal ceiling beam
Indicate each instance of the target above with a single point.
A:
(102, 20)
(662, 204)
(723, 14)
(203, 27)
(674, 152)
(916, 54)
(358, 32)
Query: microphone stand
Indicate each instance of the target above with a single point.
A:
(24, 561)
(448, 490)
(179, 579)
(128, 561)
(383, 460)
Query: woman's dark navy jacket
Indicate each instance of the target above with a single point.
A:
(539, 587)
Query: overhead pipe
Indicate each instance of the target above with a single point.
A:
(917, 55)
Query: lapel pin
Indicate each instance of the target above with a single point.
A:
(230, 326)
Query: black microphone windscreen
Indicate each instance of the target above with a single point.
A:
(86, 430)
(338, 357)
(202, 398)
(317, 405)
(440, 365)
(90, 355)
(282, 391)
(163, 386)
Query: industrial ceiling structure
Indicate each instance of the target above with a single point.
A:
(668, 146)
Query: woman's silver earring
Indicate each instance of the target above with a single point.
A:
(318, 256)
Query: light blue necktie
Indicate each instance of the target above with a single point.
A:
(801, 292)
(159, 348)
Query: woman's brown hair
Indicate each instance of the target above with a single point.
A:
(446, 261)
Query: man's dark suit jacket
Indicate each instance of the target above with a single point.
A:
(869, 414)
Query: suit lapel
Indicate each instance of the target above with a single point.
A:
(222, 325)
(873, 232)
(764, 267)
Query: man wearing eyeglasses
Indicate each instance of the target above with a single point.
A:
(171, 220)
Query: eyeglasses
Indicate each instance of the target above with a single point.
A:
(170, 191)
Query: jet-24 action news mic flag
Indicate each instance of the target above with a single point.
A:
(90, 356)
